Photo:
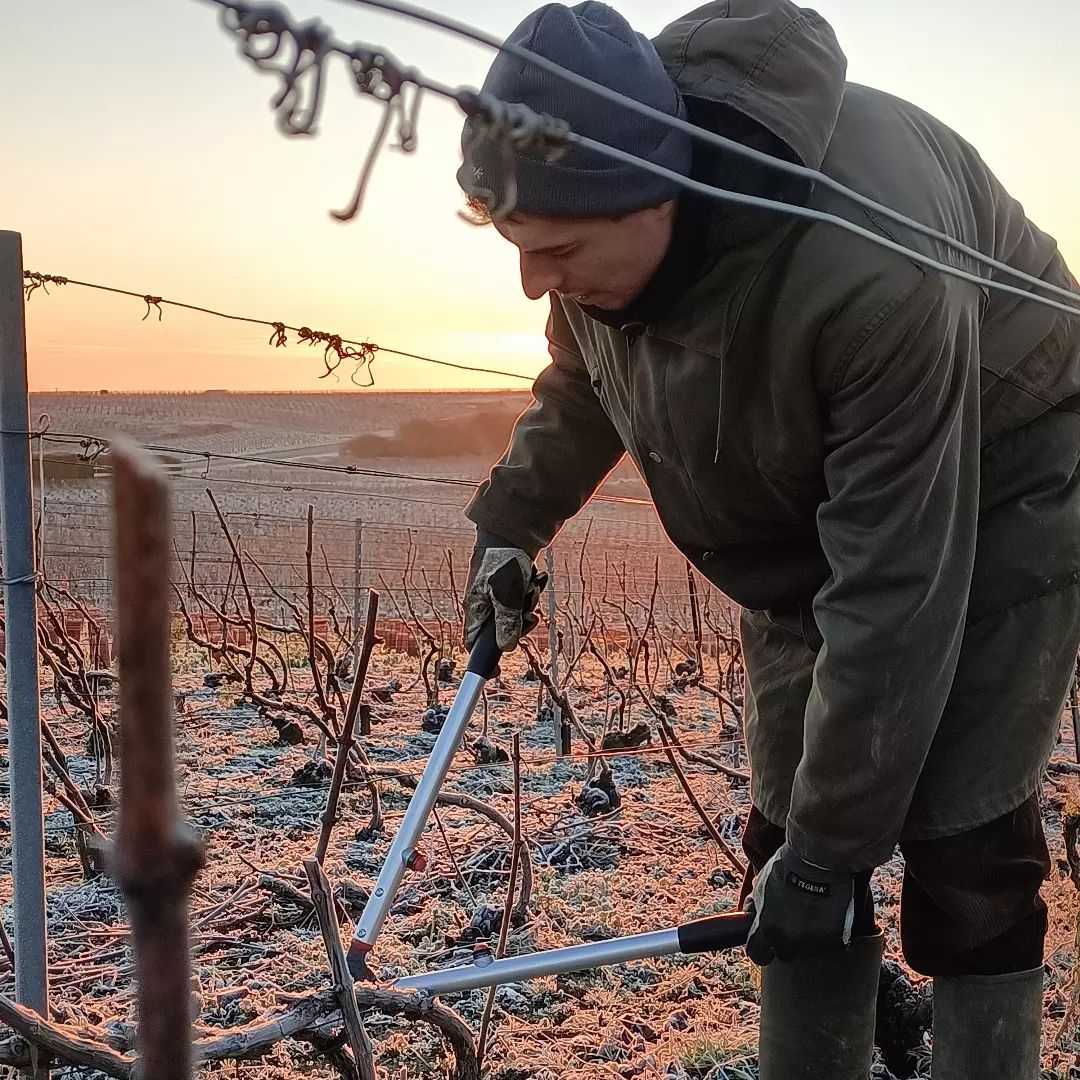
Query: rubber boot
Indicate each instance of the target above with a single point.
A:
(988, 1025)
(817, 1015)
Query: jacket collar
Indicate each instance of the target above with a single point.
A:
(706, 228)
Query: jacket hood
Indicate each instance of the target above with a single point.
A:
(778, 64)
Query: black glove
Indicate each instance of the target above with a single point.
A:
(799, 909)
(504, 583)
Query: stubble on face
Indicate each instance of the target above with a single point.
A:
(599, 262)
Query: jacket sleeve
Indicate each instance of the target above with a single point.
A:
(898, 528)
(562, 447)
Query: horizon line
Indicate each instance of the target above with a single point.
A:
(220, 391)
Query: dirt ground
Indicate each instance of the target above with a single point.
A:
(647, 865)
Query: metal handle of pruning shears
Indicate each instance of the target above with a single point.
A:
(404, 855)
(712, 934)
(717, 933)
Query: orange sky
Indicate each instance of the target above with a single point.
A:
(143, 155)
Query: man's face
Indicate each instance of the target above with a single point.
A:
(601, 262)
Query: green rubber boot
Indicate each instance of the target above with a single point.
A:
(817, 1015)
(988, 1025)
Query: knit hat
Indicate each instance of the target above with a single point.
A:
(593, 40)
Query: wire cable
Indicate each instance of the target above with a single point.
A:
(102, 441)
(37, 280)
(519, 128)
(808, 214)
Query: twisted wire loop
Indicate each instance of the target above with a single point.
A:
(513, 129)
(365, 357)
(34, 280)
(409, 120)
(378, 75)
(294, 51)
(341, 352)
(336, 351)
(353, 207)
(152, 301)
(91, 449)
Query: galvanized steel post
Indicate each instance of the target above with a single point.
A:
(20, 611)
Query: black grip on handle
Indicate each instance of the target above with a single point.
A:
(716, 933)
(484, 657)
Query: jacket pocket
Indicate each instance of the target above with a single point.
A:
(798, 621)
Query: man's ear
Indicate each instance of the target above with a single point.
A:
(663, 210)
(666, 209)
(476, 211)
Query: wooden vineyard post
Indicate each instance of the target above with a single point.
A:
(20, 643)
(156, 857)
(562, 740)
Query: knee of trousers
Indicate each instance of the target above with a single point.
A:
(970, 903)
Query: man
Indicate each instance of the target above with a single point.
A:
(877, 461)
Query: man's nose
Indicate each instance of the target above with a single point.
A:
(539, 275)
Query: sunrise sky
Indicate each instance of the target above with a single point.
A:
(140, 152)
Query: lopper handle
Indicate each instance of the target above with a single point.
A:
(485, 654)
(716, 933)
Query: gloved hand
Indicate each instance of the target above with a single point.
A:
(502, 581)
(799, 909)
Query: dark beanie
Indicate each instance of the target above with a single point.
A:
(593, 40)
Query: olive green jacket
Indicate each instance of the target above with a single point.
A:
(821, 424)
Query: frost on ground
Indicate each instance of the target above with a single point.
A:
(599, 872)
